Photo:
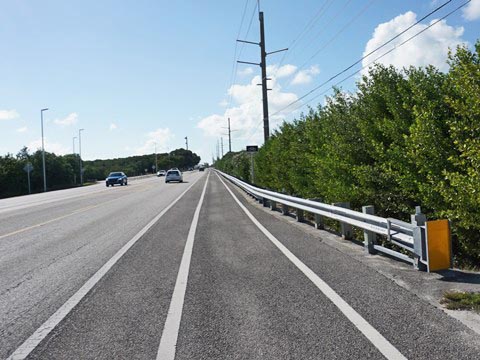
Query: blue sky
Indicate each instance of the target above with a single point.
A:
(136, 73)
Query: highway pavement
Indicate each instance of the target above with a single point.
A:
(196, 271)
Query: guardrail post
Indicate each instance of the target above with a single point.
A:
(285, 209)
(300, 215)
(419, 243)
(318, 218)
(319, 222)
(273, 205)
(265, 202)
(369, 236)
(346, 229)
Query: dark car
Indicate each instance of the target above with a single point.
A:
(116, 178)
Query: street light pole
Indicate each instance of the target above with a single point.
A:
(156, 162)
(43, 154)
(74, 174)
(80, 154)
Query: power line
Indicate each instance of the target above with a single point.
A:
(384, 54)
(321, 11)
(337, 34)
(363, 57)
(327, 24)
(234, 65)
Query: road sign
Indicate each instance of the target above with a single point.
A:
(252, 148)
(28, 168)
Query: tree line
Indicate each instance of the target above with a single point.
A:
(64, 171)
(403, 138)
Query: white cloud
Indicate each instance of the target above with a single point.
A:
(245, 72)
(247, 113)
(8, 114)
(429, 48)
(281, 71)
(305, 76)
(472, 10)
(56, 148)
(22, 129)
(113, 126)
(71, 119)
(162, 137)
(223, 103)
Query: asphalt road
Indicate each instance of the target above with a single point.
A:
(206, 280)
(50, 247)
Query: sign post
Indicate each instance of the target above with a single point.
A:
(28, 169)
(252, 149)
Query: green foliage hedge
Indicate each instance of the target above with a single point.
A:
(405, 138)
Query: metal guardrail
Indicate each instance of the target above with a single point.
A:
(408, 236)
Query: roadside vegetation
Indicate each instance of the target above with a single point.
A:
(63, 171)
(462, 301)
(404, 138)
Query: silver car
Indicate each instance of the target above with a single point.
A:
(173, 175)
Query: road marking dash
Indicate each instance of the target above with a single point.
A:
(168, 341)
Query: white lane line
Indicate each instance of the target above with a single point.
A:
(41, 333)
(168, 341)
(372, 335)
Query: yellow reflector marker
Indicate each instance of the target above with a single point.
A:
(439, 245)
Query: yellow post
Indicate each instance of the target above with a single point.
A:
(439, 245)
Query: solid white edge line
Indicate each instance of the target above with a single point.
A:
(41, 333)
(168, 341)
(372, 335)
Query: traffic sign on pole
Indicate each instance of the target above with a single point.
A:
(28, 169)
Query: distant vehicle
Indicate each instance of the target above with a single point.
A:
(173, 175)
(118, 178)
(161, 173)
(201, 168)
(190, 169)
